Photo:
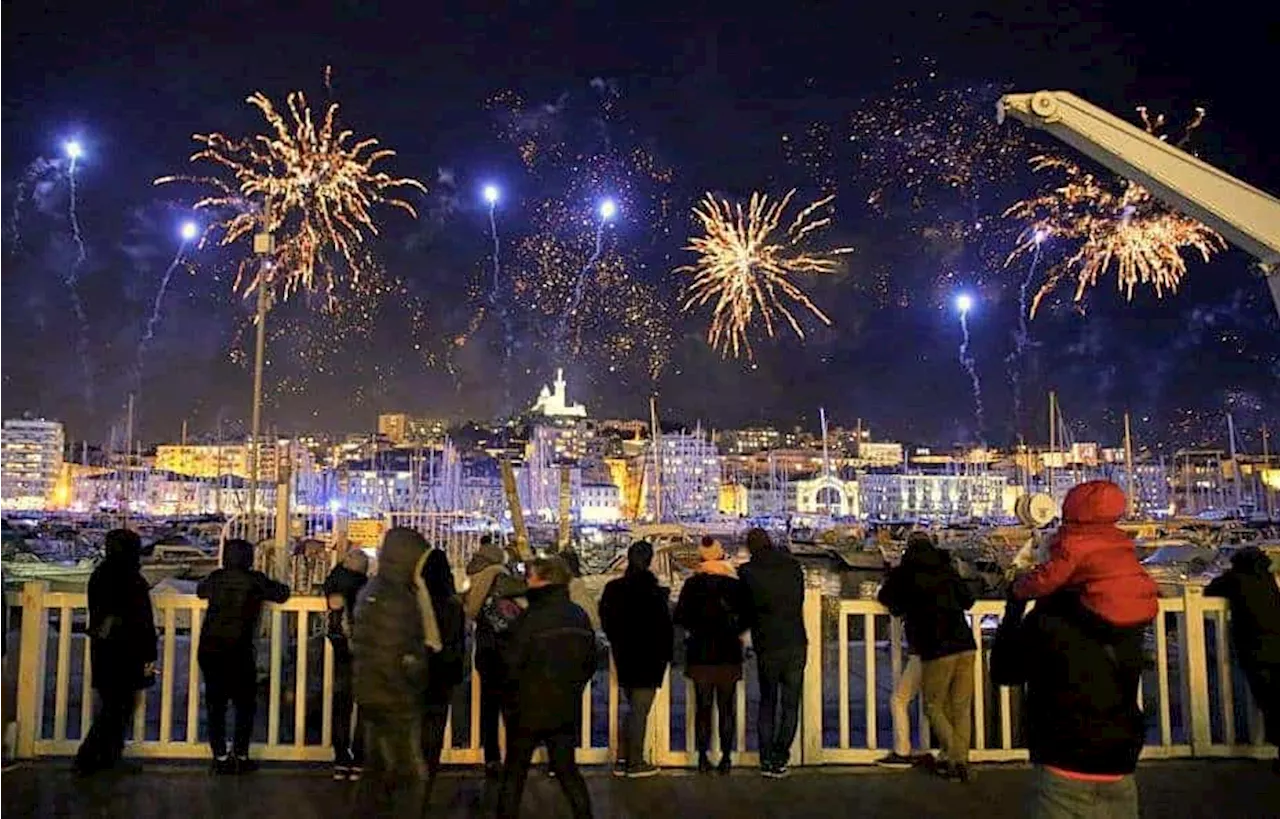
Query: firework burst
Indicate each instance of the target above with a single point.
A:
(1114, 225)
(745, 265)
(318, 184)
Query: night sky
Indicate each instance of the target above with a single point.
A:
(654, 103)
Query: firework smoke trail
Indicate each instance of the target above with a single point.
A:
(576, 301)
(150, 333)
(971, 366)
(72, 278)
(496, 303)
(35, 171)
(1022, 337)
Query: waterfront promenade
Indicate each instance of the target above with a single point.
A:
(1186, 789)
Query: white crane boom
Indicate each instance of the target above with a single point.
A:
(1249, 218)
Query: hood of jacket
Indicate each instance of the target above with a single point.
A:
(1094, 502)
(490, 554)
(123, 548)
(401, 555)
(922, 554)
(237, 554)
(1251, 560)
(438, 576)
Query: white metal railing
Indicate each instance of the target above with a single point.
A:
(1196, 703)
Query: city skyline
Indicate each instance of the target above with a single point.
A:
(656, 117)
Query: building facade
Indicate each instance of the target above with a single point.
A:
(31, 454)
(932, 497)
(213, 461)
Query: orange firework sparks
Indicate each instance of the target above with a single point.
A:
(745, 264)
(1114, 225)
(319, 186)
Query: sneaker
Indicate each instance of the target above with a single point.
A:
(725, 765)
(704, 764)
(245, 765)
(224, 765)
(493, 770)
(340, 773)
(895, 760)
(354, 773)
(954, 772)
(776, 770)
(641, 770)
(620, 767)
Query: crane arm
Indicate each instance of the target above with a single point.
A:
(1249, 218)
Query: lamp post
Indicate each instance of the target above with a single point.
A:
(263, 248)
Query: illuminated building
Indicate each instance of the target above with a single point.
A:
(554, 402)
(689, 477)
(879, 454)
(212, 461)
(827, 495)
(31, 454)
(402, 429)
(895, 496)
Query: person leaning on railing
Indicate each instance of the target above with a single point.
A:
(1250, 588)
(342, 588)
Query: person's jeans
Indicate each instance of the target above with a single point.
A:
(781, 684)
(491, 697)
(1055, 796)
(348, 735)
(639, 701)
(104, 743)
(230, 677)
(948, 700)
(434, 719)
(904, 691)
(724, 697)
(560, 749)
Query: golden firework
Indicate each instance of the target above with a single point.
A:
(1113, 225)
(746, 261)
(315, 183)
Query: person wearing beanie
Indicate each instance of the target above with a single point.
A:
(713, 611)
(635, 612)
(1096, 559)
(122, 648)
(774, 583)
(342, 588)
(227, 655)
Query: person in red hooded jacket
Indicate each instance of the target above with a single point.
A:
(1094, 556)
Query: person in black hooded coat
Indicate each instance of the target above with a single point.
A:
(122, 647)
(446, 667)
(1250, 589)
(227, 655)
(635, 613)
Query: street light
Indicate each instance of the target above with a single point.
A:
(264, 246)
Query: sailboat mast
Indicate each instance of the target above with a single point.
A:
(657, 457)
(1266, 468)
(1235, 461)
(1128, 467)
(1053, 447)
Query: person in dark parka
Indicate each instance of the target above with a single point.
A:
(122, 647)
(926, 591)
(395, 630)
(1250, 589)
(774, 582)
(446, 667)
(226, 654)
(549, 659)
(635, 613)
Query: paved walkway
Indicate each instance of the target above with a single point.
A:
(1183, 789)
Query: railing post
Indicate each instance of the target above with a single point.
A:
(1195, 667)
(811, 712)
(31, 657)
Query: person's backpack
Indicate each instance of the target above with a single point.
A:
(499, 613)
